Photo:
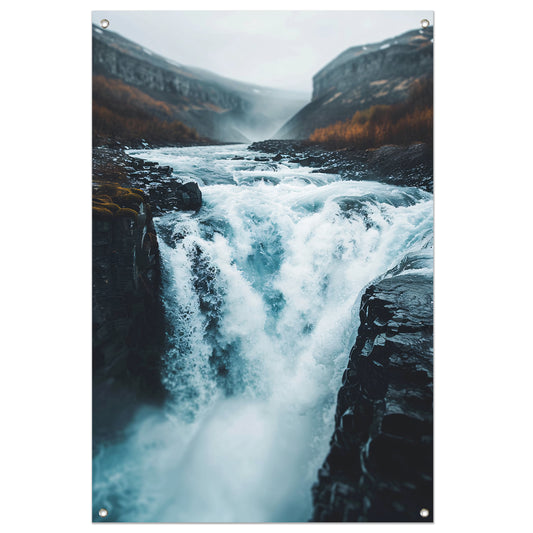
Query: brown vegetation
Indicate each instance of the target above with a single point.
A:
(404, 123)
(110, 200)
(125, 113)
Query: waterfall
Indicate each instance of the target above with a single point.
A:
(261, 291)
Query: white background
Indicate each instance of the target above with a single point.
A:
(483, 270)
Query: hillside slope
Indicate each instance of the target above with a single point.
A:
(361, 77)
(215, 107)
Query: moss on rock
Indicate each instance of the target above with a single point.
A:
(99, 211)
(141, 193)
(115, 198)
(126, 212)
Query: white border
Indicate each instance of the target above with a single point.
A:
(483, 289)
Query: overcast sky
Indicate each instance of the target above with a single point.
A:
(282, 49)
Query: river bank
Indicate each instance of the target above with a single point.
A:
(407, 166)
(127, 312)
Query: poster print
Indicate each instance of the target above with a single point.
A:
(262, 210)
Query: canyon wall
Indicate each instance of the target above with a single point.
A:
(380, 463)
(361, 77)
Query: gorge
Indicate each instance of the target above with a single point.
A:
(261, 289)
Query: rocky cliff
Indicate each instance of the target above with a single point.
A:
(380, 463)
(128, 317)
(216, 107)
(361, 77)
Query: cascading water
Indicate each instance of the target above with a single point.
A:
(261, 293)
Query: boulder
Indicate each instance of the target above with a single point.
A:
(189, 197)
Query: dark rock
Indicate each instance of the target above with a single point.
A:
(164, 194)
(167, 170)
(192, 192)
(404, 165)
(381, 459)
(128, 321)
(173, 195)
(312, 161)
(408, 166)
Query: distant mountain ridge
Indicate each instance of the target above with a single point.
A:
(363, 76)
(216, 107)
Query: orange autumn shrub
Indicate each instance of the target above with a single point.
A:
(123, 112)
(403, 123)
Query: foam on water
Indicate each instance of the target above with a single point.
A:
(261, 292)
